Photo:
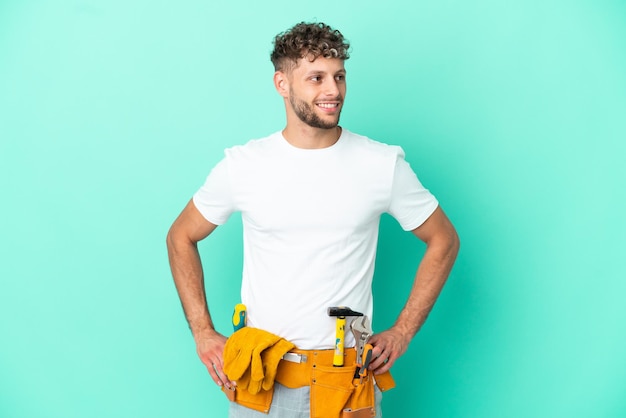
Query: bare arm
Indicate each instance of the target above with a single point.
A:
(442, 246)
(182, 239)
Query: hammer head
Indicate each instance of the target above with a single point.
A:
(342, 311)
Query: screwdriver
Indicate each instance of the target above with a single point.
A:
(367, 358)
(239, 316)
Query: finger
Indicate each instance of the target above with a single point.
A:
(219, 367)
(211, 369)
(377, 350)
(385, 367)
(374, 339)
(378, 345)
(374, 365)
(384, 361)
(217, 373)
(379, 358)
(223, 377)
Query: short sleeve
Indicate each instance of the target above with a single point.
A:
(411, 203)
(214, 198)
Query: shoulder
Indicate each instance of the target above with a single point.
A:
(372, 147)
(253, 149)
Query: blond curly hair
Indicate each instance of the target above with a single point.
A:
(310, 41)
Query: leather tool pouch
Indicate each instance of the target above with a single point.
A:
(362, 403)
(385, 381)
(331, 387)
(260, 402)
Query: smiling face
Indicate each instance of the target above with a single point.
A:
(315, 91)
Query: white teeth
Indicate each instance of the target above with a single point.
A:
(328, 105)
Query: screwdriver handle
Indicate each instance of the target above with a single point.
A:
(239, 316)
(367, 358)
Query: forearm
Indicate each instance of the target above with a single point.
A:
(432, 273)
(430, 278)
(189, 280)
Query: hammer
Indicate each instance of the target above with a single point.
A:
(340, 312)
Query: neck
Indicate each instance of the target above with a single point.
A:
(307, 137)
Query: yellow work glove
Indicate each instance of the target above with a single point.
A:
(243, 383)
(243, 350)
(254, 386)
(271, 357)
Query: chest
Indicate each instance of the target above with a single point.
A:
(305, 195)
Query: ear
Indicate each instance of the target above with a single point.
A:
(281, 83)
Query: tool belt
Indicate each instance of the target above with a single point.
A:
(335, 393)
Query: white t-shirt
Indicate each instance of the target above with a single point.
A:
(310, 221)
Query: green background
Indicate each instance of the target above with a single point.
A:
(512, 113)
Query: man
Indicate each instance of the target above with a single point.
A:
(311, 197)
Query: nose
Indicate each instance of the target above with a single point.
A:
(331, 89)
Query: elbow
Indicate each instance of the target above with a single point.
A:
(173, 238)
(453, 244)
(447, 245)
(456, 243)
(178, 239)
(169, 240)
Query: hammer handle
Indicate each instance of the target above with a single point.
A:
(339, 341)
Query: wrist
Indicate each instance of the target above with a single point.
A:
(406, 332)
(203, 333)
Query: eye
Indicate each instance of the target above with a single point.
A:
(340, 77)
(316, 78)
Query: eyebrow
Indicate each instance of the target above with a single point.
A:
(320, 72)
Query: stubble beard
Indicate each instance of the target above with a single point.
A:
(306, 113)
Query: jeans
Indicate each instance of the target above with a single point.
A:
(288, 403)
